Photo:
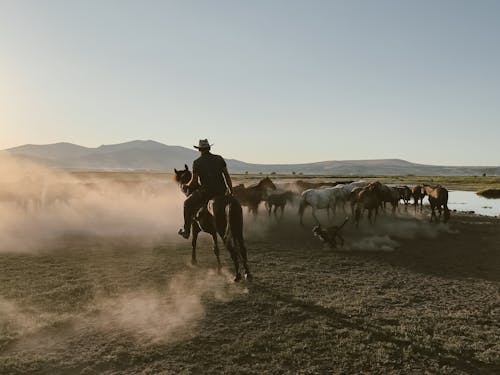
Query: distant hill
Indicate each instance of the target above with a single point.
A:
(154, 156)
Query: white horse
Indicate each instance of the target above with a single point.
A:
(353, 185)
(318, 199)
(341, 196)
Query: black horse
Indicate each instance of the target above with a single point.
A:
(230, 226)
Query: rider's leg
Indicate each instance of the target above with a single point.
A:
(191, 205)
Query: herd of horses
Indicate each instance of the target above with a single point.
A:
(360, 195)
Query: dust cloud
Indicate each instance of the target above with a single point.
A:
(149, 317)
(38, 205)
(163, 316)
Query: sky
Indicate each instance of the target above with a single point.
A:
(265, 81)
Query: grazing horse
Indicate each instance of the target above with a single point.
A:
(230, 228)
(438, 198)
(252, 196)
(418, 195)
(368, 199)
(279, 200)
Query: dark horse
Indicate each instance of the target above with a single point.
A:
(252, 196)
(279, 201)
(230, 228)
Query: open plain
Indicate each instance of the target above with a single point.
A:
(99, 282)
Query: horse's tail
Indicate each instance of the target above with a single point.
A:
(235, 226)
(445, 206)
(302, 206)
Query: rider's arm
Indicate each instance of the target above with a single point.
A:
(193, 181)
(229, 182)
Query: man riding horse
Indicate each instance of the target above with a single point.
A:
(211, 174)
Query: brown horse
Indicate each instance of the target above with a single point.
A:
(252, 196)
(279, 200)
(368, 199)
(353, 198)
(231, 231)
(388, 194)
(404, 194)
(438, 199)
(418, 195)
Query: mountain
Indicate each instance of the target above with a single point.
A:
(154, 156)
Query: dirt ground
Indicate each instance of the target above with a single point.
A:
(402, 296)
(94, 279)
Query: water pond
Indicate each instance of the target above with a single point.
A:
(470, 201)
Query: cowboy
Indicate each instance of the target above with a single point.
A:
(210, 172)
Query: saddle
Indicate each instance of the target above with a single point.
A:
(208, 205)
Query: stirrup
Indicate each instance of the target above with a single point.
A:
(183, 233)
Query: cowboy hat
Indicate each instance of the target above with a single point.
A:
(203, 143)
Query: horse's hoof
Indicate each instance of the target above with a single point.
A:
(248, 276)
(237, 278)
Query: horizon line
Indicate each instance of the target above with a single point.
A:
(250, 162)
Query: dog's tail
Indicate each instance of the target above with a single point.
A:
(344, 223)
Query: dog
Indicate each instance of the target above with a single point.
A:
(330, 234)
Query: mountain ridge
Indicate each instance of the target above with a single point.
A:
(150, 155)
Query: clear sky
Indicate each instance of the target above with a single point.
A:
(266, 81)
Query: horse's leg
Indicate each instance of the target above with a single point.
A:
(254, 211)
(234, 256)
(314, 214)
(269, 207)
(243, 253)
(357, 214)
(196, 230)
(216, 251)
(433, 213)
(282, 211)
(235, 227)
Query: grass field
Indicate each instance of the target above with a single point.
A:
(470, 183)
(404, 296)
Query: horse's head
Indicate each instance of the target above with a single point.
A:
(182, 177)
(317, 231)
(266, 183)
(375, 186)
